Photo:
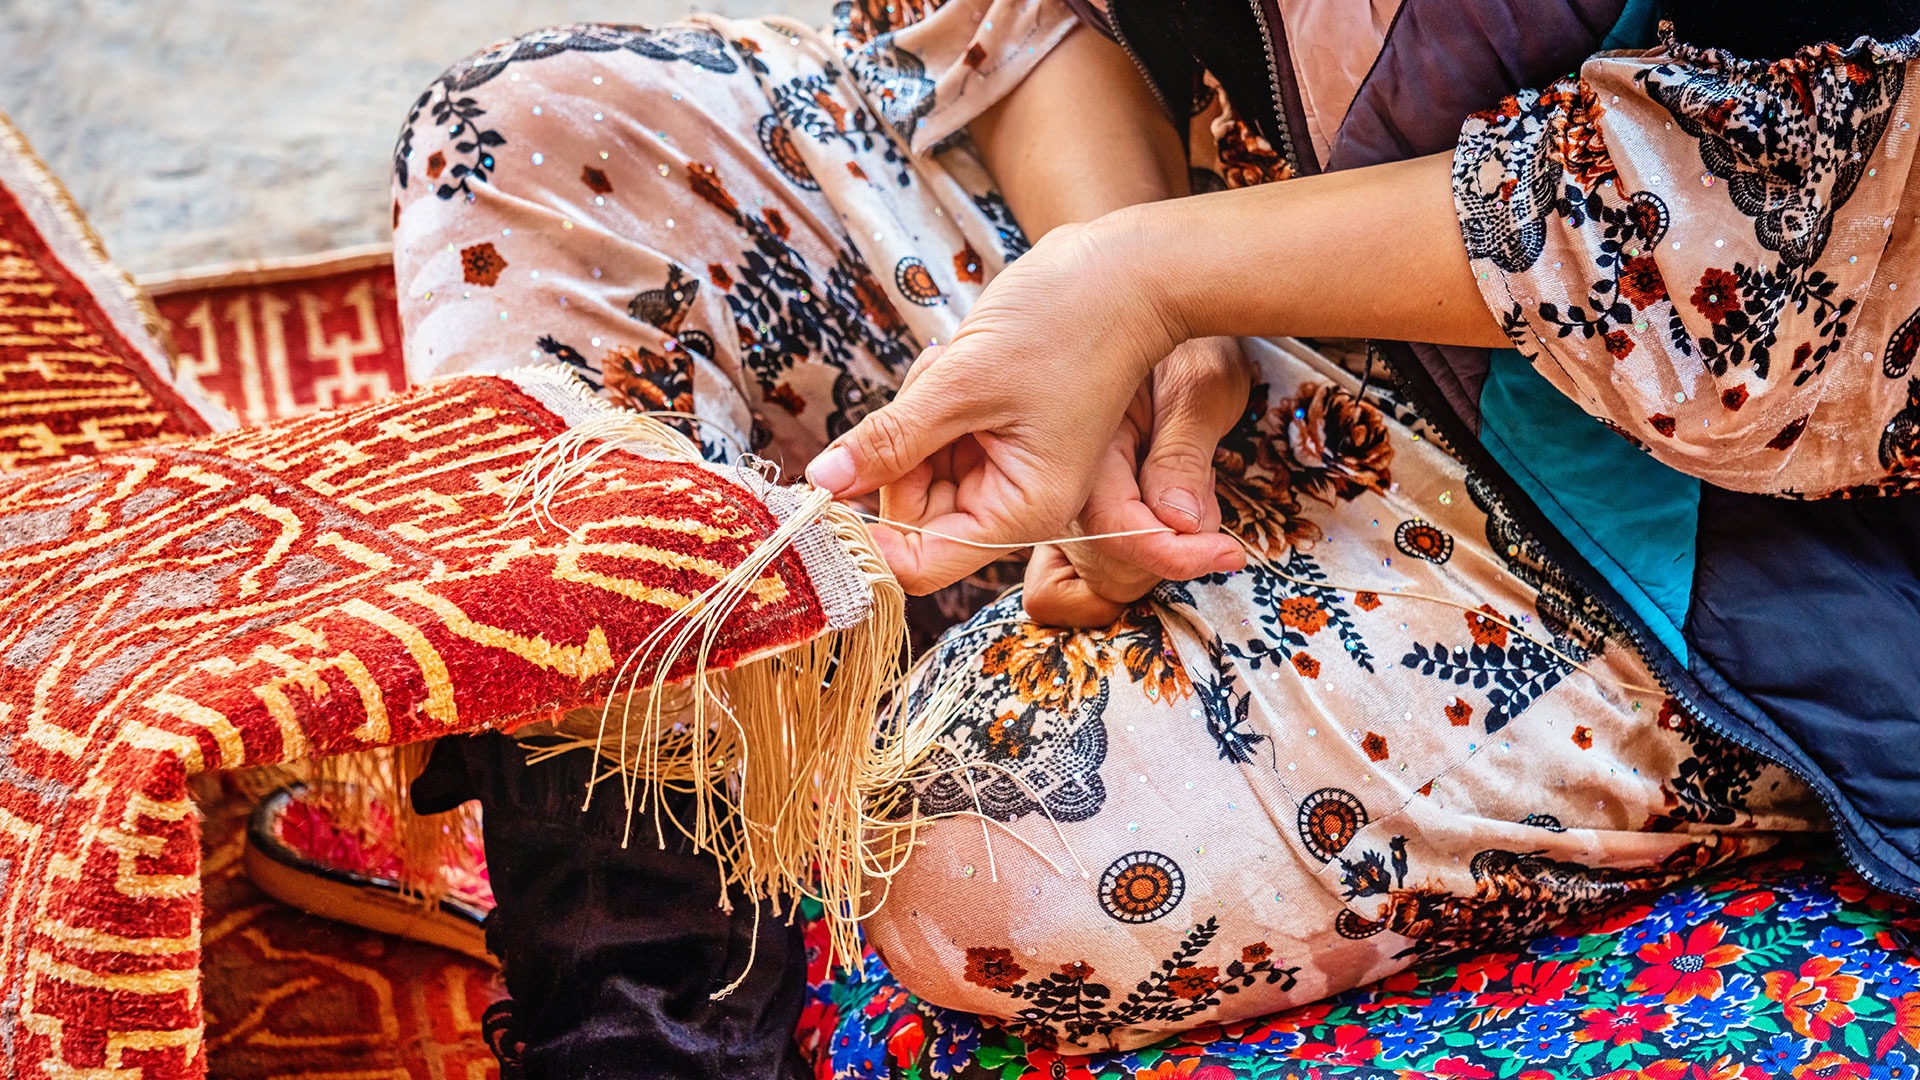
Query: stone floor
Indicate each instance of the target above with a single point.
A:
(196, 132)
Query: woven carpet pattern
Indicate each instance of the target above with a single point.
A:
(275, 343)
(70, 381)
(345, 581)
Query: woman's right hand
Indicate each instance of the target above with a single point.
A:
(996, 437)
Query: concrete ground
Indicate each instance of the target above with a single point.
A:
(196, 132)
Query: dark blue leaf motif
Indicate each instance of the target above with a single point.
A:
(1518, 673)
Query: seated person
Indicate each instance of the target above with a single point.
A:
(1345, 714)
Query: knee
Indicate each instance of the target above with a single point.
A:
(553, 91)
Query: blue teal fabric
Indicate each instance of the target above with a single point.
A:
(1633, 518)
(1637, 28)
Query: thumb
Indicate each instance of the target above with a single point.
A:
(890, 443)
(1199, 393)
(1176, 479)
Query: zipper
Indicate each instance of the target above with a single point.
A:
(1153, 87)
(1416, 384)
(1274, 83)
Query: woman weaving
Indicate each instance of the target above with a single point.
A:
(1355, 675)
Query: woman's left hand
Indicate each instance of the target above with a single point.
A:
(1157, 474)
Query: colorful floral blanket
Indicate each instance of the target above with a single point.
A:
(1787, 968)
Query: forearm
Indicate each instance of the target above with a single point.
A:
(1079, 137)
(1372, 252)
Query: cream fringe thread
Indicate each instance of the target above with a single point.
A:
(780, 755)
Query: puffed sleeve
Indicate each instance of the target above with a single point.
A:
(1711, 255)
(935, 65)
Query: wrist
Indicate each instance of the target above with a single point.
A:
(1132, 247)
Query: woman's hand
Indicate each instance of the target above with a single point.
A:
(996, 437)
(1157, 473)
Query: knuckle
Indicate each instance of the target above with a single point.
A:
(888, 441)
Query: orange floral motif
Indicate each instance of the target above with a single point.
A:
(1683, 969)
(648, 381)
(1641, 283)
(785, 396)
(1351, 1045)
(1255, 482)
(1717, 296)
(1303, 613)
(832, 108)
(1906, 1025)
(1192, 982)
(1366, 601)
(1375, 744)
(1583, 737)
(1183, 1069)
(905, 1041)
(706, 184)
(966, 265)
(1540, 982)
(1306, 665)
(1007, 734)
(481, 264)
(1577, 140)
(1149, 657)
(1246, 157)
(1815, 1000)
(1485, 630)
(994, 969)
(1047, 667)
(1339, 442)
(1829, 1065)
(1619, 1026)
(1459, 713)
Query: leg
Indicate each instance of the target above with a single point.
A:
(1291, 781)
(704, 217)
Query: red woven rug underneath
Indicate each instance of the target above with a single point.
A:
(289, 995)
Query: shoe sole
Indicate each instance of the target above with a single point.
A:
(367, 902)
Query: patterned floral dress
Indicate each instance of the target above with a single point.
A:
(1728, 294)
(1397, 735)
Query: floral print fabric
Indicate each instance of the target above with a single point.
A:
(1786, 968)
(1734, 291)
(1388, 739)
(1397, 735)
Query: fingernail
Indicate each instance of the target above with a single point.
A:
(1181, 502)
(832, 470)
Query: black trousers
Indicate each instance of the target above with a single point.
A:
(610, 953)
